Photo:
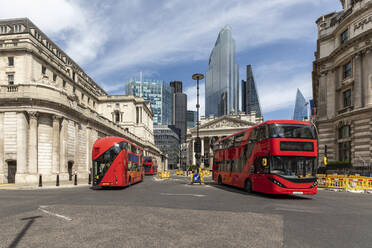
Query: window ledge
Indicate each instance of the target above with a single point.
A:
(346, 109)
(347, 82)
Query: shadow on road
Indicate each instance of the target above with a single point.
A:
(263, 195)
(22, 233)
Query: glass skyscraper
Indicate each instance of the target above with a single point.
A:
(250, 101)
(300, 110)
(158, 93)
(222, 78)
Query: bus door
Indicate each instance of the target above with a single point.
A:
(125, 166)
(261, 165)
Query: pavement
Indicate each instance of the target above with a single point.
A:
(173, 213)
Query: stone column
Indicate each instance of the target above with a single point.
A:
(56, 145)
(202, 152)
(2, 148)
(89, 149)
(76, 157)
(193, 152)
(22, 145)
(368, 89)
(358, 82)
(33, 143)
(62, 146)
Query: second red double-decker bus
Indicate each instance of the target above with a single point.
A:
(150, 165)
(274, 157)
(116, 162)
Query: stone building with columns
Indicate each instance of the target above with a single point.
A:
(51, 111)
(213, 128)
(342, 83)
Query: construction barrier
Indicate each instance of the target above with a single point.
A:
(192, 176)
(347, 183)
(179, 172)
(164, 174)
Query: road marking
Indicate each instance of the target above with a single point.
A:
(196, 195)
(294, 210)
(41, 208)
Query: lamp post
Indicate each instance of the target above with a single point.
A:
(197, 77)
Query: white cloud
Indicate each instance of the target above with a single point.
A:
(181, 31)
(80, 30)
(191, 93)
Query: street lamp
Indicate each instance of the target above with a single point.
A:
(197, 147)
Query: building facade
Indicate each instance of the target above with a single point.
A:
(191, 117)
(213, 128)
(300, 109)
(222, 78)
(250, 100)
(50, 110)
(158, 93)
(179, 112)
(342, 83)
(167, 139)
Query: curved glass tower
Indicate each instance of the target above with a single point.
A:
(222, 78)
(300, 110)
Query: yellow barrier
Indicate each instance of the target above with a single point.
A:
(201, 178)
(164, 174)
(352, 183)
(179, 172)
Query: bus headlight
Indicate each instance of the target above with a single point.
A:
(273, 180)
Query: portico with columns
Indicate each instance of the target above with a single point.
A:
(214, 128)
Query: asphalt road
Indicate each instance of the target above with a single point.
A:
(171, 213)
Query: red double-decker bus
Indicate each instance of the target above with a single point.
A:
(150, 165)
(116, 162)
(274, 157)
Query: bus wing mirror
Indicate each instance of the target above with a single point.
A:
(264, 162)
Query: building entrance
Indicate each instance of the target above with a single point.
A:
(12, 169)
(69, 169)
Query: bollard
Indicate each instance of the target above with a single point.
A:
(75, 179)
(40, 181)
(57, 183)
(89, 179)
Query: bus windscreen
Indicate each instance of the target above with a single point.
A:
(293, 167)
(294, 131)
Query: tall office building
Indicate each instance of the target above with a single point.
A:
(300, 110)
(250, 101)
(191, 118)
(158, 93)
(222, 78)
(179, 101)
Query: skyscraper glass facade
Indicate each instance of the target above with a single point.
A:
(300, 110)
(250, 100)
(192, 116)
(222, 78)
(158, 93)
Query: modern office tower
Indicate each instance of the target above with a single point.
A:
(222, 78)
(250, 101)
(192, 116)
(167, 139)
(300, 110)
(179, 102)
(158, 93)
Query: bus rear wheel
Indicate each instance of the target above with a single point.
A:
(219, 180)
(248, 186)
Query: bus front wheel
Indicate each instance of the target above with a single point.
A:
(248, 186)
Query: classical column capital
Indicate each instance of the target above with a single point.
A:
(33, 114)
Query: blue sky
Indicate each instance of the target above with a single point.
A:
(172, 39)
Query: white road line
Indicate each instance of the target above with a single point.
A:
(196, 195)
(57, 215)
(293, 210)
